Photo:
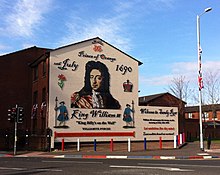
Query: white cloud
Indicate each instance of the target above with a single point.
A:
(184, 67)
(107, 29)
(4, 47)
(2, 4)
(156, 81)
(168, 3)
(27, 45)
(190, 69)
(123, 6)
(25, 17)
(211, 65)
(113, 26)
(187, 69)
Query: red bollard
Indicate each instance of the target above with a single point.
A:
(111, 145)
(184, 139)
(62, 144)
(160, 142)
(178, 139)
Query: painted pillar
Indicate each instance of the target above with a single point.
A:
(160, 142)
(129, 144)
(78, 144)
(62, 147)
(111, 145)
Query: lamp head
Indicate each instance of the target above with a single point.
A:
(208, 9)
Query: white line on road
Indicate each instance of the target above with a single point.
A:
(25, 169)
(167, 157)
(202, 154)
(53, 170)
(116, 157)
(144, 167)
(11, 168)
(183, 165)
(81, 162)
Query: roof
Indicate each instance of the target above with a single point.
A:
(139, 63)
(212, 123)
(205, 108)
(150, 98)
(41, 58)
(23, 50)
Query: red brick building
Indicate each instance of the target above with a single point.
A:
(39, 120)
(16, 88)
(210, 119)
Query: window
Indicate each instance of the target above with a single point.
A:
(206, 115)
(34, 112)
(190, 115)
(214, 115)
(43, 95)
(35, 73)
(44, 67)
(35, 96)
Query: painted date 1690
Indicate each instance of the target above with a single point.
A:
(123, 69)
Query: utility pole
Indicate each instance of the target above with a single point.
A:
(199, 50)
(16, 115)
(15, 138)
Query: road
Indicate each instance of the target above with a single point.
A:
(46, 166)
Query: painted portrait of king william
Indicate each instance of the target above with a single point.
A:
(96, 91)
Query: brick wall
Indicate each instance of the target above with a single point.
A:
(16, 85)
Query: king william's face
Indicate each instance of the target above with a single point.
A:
(95, 79)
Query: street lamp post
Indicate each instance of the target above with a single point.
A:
(200, 76)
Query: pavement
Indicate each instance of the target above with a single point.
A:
(189, 150)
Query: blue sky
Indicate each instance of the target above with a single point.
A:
(159, 33)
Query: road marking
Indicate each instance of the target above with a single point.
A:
(183, 165)
(53, 170)
(116, 157)
(167, 157)
(144, 167)
(202, 154)
(25, 169)
(82, 162)
(8, 168)
(207, 157)
(21, 156)
(60, 156)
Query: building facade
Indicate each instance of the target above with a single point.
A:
(210, 121)
(93, 92)
(16, 84)
(87, 90)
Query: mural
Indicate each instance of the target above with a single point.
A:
(63, 115)
(127, 86)
(97, 88)
(127, 117)
(159, 121)
(67, 64)
(95, 94)
(61, 79)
